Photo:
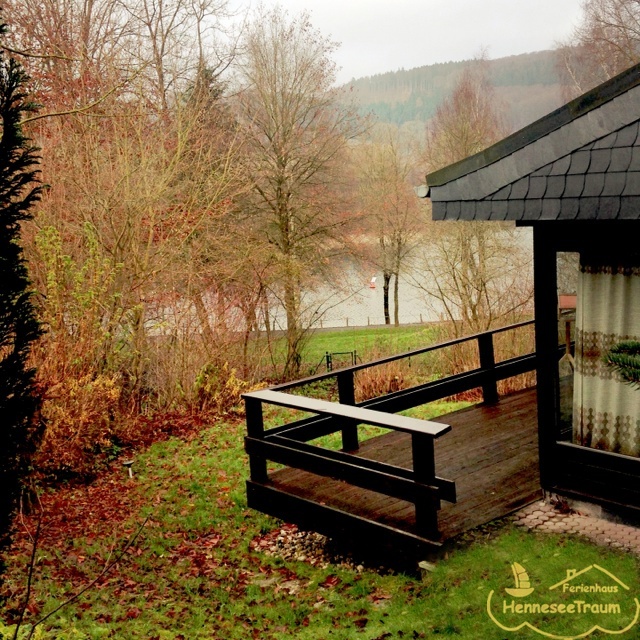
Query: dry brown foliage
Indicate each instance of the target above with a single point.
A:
(382, 379)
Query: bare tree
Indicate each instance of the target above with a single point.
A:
(297, 133)
(79, 51)
(175, 39)
(477, 273)
(142, 168)
(73, 49)
(466, 122)
(390, 207)
(606, 42)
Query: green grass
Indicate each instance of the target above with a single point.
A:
(368, 342)
(193, 574)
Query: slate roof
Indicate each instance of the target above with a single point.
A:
(581, 162)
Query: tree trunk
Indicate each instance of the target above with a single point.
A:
(291, 297)
(138, 362)
(386, 279)
(203, 319)
(396, 301)
(250, 325)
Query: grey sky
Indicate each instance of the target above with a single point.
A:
(387, 35)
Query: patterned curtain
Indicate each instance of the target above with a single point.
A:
(606, 410)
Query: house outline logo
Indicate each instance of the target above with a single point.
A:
(572, 574)
(572, 586)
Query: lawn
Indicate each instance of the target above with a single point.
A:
(193, 573)
(367, 342)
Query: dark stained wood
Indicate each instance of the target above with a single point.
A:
(255, 429)
(316, 427)
(488, 363)
(379, 543)
(577, 472)
(353, 470)
(610, 479)
(491, 453)
(347, 395)
(388, 495)
(400, 356)
(545, 300)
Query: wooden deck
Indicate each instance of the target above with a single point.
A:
(491, 454)
(404, 494)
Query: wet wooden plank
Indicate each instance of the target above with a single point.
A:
(491, 453)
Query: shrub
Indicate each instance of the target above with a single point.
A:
(382, 379)
(82, 430)
(218, 389)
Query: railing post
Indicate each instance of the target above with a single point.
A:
(255, 429)
(488, 363)
(424, 470)
(347, 395)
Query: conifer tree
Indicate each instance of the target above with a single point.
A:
(19, 189)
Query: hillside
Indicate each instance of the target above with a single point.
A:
(527, 87)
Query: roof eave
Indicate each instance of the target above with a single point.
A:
(544, 126)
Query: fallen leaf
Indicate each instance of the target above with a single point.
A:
(330, 581)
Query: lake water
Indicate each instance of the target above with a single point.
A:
(348, 301)
(357, 304)
(364, 306)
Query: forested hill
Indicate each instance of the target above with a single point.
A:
(527, 87)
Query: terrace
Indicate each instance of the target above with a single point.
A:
(419, 484)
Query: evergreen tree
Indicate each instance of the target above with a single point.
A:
(18, 324)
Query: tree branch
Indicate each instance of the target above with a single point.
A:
(108, 567)
(39, 56)
(84, 109)
(32, 563)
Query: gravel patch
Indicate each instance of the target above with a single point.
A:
(290, 543)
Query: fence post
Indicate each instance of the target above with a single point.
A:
(346, 395)
(255, 429)
(424, 471)
(488, 363)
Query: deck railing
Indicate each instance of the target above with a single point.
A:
(288, 444)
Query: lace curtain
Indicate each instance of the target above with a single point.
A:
(606, 410)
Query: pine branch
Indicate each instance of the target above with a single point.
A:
(624, 359)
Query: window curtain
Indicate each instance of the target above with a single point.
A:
(606, 410)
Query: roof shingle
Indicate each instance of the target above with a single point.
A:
(580, 162)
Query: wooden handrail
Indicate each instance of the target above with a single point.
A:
(358, 414)
(423, 487)
(306, 429)
(287, 444)
(407, 354)
(351, 469)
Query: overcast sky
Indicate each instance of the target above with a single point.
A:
(386, 35)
